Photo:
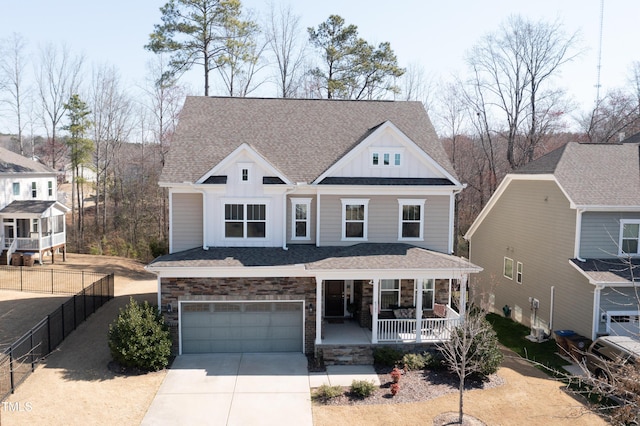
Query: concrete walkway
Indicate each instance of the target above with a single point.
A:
(244, 389)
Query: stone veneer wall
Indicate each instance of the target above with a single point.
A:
(363, 354)
(240, 289)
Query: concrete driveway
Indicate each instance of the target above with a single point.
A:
(234, 389)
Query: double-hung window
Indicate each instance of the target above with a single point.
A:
(629, 238)
(428, 294)
(508, 268)
(50, 188)
(16, 188)
(34, 190)
(245, 220)
(354, 219)
(389, 294)
(411, 220)
(301, 218)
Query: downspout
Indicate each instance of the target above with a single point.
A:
(553, 291)
(576, 244)
(452, 216)
(596, 311)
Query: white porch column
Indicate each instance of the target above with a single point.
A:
(597, 291)
(419, 283)
(374, 314)
(463, 294)
(318, 311)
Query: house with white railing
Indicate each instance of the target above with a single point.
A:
(33, 221)
(315, 226)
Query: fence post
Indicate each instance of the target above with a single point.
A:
(52, 281)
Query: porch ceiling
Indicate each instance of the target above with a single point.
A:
(357, 257)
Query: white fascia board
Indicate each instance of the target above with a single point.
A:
(500, 190)
(176, 185)
(230, 159)
(228, 272)
(401, 274)
(608, 208)
(426, 158)
(385, 189)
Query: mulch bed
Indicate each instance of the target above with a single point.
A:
(415, 386)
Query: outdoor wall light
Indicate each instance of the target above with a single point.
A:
(310, 308)
(169, 307)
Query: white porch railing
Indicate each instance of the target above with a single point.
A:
(405, 330)
(36, 244)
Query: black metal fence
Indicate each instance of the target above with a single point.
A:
(36, 279)
(20, 359)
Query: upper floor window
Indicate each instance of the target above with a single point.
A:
(301, 215)
(411, 219)
(386, 157)
(245, 220)
(629, 237)
(508, 268)
(16, 188)
(50, 188)
(34, 190)
(244, 171)
(354, 219)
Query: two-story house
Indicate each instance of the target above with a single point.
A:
(559, 241)
(33, 221)
(289, 216)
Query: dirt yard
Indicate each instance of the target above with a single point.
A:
(73, 386)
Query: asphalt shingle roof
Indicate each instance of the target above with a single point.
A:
(610, 270)
(27, 206)
(10, 162)
(301, 138)
(594, 174)
(359, 256)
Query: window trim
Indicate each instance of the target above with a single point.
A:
(624, 222)
(16, 189)
(519, 272)
(425, 291)
(411, 202)
(504, 268)
(352, 202)
(397, 291)
(50, 188)
(242, 167)
(244, 202)
(294, 203)
(34, 189)
(393, 155)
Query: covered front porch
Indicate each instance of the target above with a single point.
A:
(396, 294)
(32, 226)
(384, 310)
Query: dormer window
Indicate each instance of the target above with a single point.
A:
(386, 157)
(245, 175)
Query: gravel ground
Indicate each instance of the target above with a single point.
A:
(415, 386)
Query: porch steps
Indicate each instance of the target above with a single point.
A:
(347, 354)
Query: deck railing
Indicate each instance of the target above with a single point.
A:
(47, 241)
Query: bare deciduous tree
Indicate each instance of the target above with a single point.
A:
(13, 62)
(57, 78)
(283, 34)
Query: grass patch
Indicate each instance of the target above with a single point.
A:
(512, 335)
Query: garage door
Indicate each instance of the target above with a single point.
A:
(242, 327)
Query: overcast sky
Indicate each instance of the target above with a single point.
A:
(434, 34)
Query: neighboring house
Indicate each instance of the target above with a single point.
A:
(288, 216)
(559, 240)
(32, 220)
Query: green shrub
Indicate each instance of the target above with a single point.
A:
(326, 392)
(139, 338)
(416, 361)
(362, 388)
(387, 355)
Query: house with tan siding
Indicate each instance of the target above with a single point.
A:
(559, 242)
(315, 226)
